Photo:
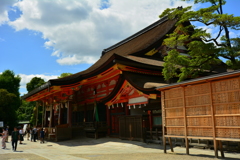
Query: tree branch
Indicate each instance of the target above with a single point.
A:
(215, 41)
(198, 66)
(199, 20)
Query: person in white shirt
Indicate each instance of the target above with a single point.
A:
(4, 136)
(21, 135)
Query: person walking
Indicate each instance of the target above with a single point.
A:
(21, 135)
(34, 133)
(42, 134)
(7, 130)
(15, 138)
(28, 133)
(4, 136)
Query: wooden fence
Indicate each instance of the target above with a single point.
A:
(131, 128)
(209, 110)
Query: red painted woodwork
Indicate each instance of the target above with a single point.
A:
(127, 111)
(96, 91)
(126, 92)
(150, 119)
(115, 113)
(108, 120)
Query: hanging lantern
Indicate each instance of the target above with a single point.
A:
(134, 106)
(122, 105)
(117, 105)
(139, 105)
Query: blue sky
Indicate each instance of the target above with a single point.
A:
(70, 36)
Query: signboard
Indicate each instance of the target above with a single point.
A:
(1, 124)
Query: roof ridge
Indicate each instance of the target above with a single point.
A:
(144, 30)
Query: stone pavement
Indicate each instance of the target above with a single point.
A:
(102, 149)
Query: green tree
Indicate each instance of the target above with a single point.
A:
(25, 111)
(9, 97)
(35, 83)
(64, 75)
(7, 109)
(10, 82)
(203, 49)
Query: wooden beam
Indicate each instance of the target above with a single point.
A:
(221, 148)
(185, 120)
(43, 113)
(213, 121)
(170, 143)
(163, 121)
(37, 113)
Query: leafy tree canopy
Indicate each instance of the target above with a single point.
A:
(9, 97)
(35, 83)
(64, 75)
(7, 107)
(203, 49)
(10, 82)
(25, 111)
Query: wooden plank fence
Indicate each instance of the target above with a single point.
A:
(209, 110)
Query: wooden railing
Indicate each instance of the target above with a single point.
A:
(62, 132)
(94, 129)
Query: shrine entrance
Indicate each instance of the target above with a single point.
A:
(115, 113)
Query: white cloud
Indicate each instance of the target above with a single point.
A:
(78, 30)
(71, 60)
(4, 7)
(27, 78)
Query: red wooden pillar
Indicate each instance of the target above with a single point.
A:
(150, 119)
(126, 109)
(108, 119)
(52, 117)
(70, 114)
(85, 112)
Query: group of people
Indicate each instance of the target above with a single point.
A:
(18, 135)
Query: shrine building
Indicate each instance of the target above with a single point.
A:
(116, 96)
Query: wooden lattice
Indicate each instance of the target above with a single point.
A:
(207, 110)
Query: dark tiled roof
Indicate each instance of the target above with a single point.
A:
(146, 60)
(135, 43)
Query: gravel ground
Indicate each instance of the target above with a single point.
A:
(145, 156)
(105, 149)
(21, 156)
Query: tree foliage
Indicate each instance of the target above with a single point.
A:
(203, 49)
(9, 97)
(64, 75)
(7, 108)
(25, 111)
(35, 83)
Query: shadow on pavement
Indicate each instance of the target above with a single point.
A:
(90, 141)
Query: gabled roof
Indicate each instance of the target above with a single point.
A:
(133, 44)
(138, 81)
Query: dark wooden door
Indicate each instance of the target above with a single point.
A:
(131, 128)
(115, 114)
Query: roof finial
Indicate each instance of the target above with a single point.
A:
(179, 7)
